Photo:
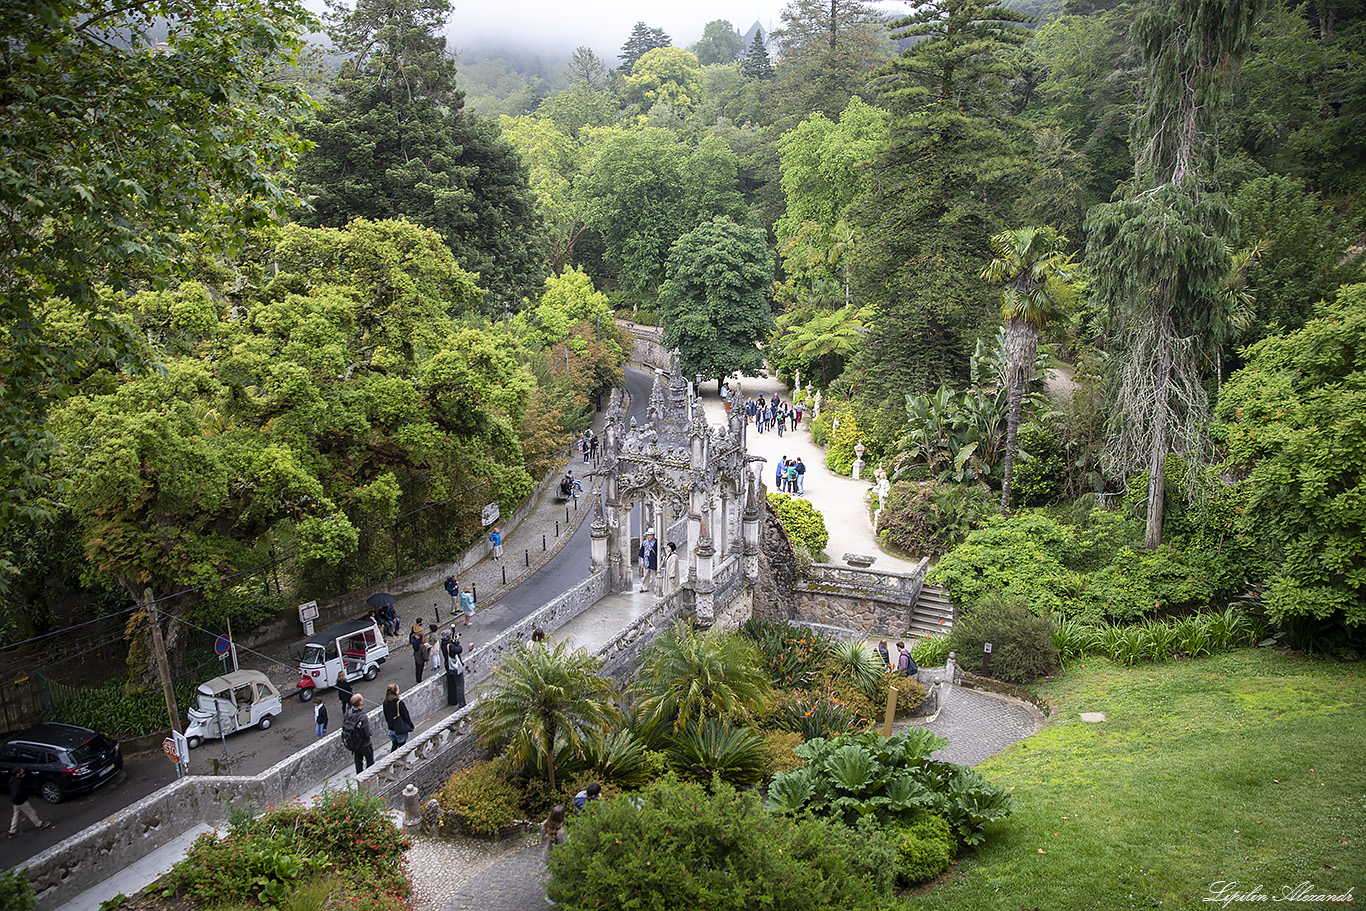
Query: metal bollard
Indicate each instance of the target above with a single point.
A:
(542, 542)
(557, 528)
(436, 612)
(474, 591)
(528, 557)
(505, 575)
(566, 515)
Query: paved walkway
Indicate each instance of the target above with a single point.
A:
(841, 501)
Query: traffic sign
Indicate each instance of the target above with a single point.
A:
(221, 646)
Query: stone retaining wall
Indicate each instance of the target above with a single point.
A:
(874, 602)
(647, 345)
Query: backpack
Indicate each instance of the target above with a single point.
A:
(453, 662)
(352, 736)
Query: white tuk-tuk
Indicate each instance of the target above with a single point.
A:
(356, 647)
(233, 702)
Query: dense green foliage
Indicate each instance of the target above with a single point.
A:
(1095, 570)
(676, 845)
(287, 419)
(929, 518)
(114, 154)
(646, 188)
(1022, 644)
(1295, 422)
(688, 676)
(394, 141)
(713, 300)
(804, 524)
(888, 779)
(345, 839)
(483, 795)
(16, 890)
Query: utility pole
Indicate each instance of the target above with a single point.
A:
(163, 667)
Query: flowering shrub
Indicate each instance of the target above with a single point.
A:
(345, 838)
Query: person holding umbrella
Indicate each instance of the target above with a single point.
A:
(385, 615)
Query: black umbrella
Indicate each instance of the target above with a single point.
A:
(381, 599)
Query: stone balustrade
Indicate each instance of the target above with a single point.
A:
(868, 601)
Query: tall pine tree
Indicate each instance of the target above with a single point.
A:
(643, 40)
(756, 64)
(395, 141)
(941, 189)
(827, 50)
(1159, 254)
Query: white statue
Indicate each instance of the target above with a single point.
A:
(859, 450)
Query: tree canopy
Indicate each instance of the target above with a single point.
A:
(714, 300)
(395, 141)
(646, 188)
(720, 43)
(642, 40)
(113, 149)
(1295, 423)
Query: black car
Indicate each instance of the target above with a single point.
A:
(62, 759)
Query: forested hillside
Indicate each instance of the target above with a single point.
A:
(262, 347)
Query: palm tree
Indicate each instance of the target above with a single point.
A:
(688, 676)
(1031, 263)
(542, 698)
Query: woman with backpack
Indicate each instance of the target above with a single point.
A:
(396, 718)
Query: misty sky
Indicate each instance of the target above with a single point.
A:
(603, 25)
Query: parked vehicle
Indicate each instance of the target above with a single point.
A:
(64, 759)
(356, 647)
(230, 703)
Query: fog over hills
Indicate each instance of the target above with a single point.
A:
(554, 28)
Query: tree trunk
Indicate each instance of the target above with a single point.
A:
(1157, 465)
(550, 756)
(1022, 344)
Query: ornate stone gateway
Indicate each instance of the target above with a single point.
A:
(676, 465)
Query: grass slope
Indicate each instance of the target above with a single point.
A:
(1246, 767)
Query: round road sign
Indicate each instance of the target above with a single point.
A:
(222, 645)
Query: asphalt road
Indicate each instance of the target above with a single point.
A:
(253, 751)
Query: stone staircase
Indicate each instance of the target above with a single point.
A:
(933, 612)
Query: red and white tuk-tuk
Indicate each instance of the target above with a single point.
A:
(355, 647)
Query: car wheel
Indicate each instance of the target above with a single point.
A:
(371, 672)
(264, 723)
(52, 792)
(193, 742)
(306, 695)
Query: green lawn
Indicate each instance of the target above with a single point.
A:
(1249, 766)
